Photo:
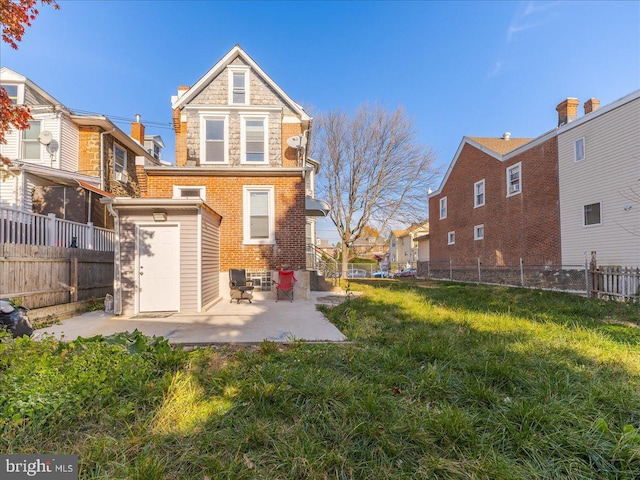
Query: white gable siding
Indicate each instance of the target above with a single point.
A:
(608, 174)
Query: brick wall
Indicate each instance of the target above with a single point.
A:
(523, 226)
(225, 195)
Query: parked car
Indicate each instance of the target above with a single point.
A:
(356, 273)
(409, 272)
(381, 274)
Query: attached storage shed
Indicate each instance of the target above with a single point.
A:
(167, 255)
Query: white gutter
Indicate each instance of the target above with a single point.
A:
(117, 279)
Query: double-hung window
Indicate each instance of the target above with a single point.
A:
(254, 139)
(478, 232)
(592, 215)
(119, 159)
(443, 208)
(478, 197)
(578, 149)
(258, 213)
(213, 144)
(238, 85)
(31, 148)
(514, 179)
(451, 238)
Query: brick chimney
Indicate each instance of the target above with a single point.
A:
(591, 105)
(567, 111)
(137, 130)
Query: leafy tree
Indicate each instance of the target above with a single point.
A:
(15, 16)
(375, 172)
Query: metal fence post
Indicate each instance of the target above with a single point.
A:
(521, 272)
(587, 279)
(450, 270)
(479, 276)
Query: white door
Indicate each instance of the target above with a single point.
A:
(158, 268)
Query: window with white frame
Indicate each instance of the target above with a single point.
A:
(478, 197)
(180, 191)
(451, 238)
(578, 149)
(254, 139)
(214, 141)
(258, 215)
(514, 179)
(12, 93)
(478, 232)
(119, 159)
(238, 85)
(443, 208)
(31, 147)
(592, 214)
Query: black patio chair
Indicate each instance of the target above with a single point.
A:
(239, 285)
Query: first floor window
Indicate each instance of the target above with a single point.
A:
(478, 232)
(592, 214)
(259, 208)
(443, 208)
(451, 238)
(31, 148)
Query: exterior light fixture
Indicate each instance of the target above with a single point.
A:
(159, 217)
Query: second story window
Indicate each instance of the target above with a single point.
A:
(238, 86)
(592, 214)
(254, 146)
(31, 148)
(119, 159)
(214, 144)
(443, 208)
(478, 199)
(514, 180)
(578, 149)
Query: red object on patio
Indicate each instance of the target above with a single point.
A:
(285, 284)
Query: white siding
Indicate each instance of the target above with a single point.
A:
(69, 138)
(11, 148)
(8, 187)
(609, 174)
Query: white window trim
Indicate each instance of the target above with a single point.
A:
(575, 150)
(243, 133)
(451, 238)
(20, 95)
(239, 69)
(508, 179)
(119, 147)
(203, 137)
(475, 194)
(584, 224)
(476, 232)
(31, 141)
(443, 201)
(247, 240)
(177, 191)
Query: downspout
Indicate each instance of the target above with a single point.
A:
(102, 155)
(117, 279)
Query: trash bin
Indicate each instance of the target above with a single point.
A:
(14, 319)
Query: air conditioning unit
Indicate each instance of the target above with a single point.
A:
(121, 177)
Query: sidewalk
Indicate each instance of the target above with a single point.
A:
(225, 322)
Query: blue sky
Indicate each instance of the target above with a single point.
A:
(458, 68)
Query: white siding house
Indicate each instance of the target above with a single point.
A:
(599, 184)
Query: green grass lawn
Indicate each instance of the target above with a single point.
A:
(441, 381)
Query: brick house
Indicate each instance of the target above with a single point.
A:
(544, 200)
(240, 152)
(65, 162)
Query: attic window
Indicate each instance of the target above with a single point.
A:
(12, 92)
(238, 85)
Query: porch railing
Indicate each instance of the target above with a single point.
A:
(28, 228)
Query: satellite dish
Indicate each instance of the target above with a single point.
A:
(297, 141)
(45, 137)
(52, 147)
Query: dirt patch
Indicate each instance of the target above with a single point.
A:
(615, 321)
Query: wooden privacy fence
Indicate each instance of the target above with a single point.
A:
(41, 276)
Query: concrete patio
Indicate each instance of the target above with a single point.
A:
(264, 319)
